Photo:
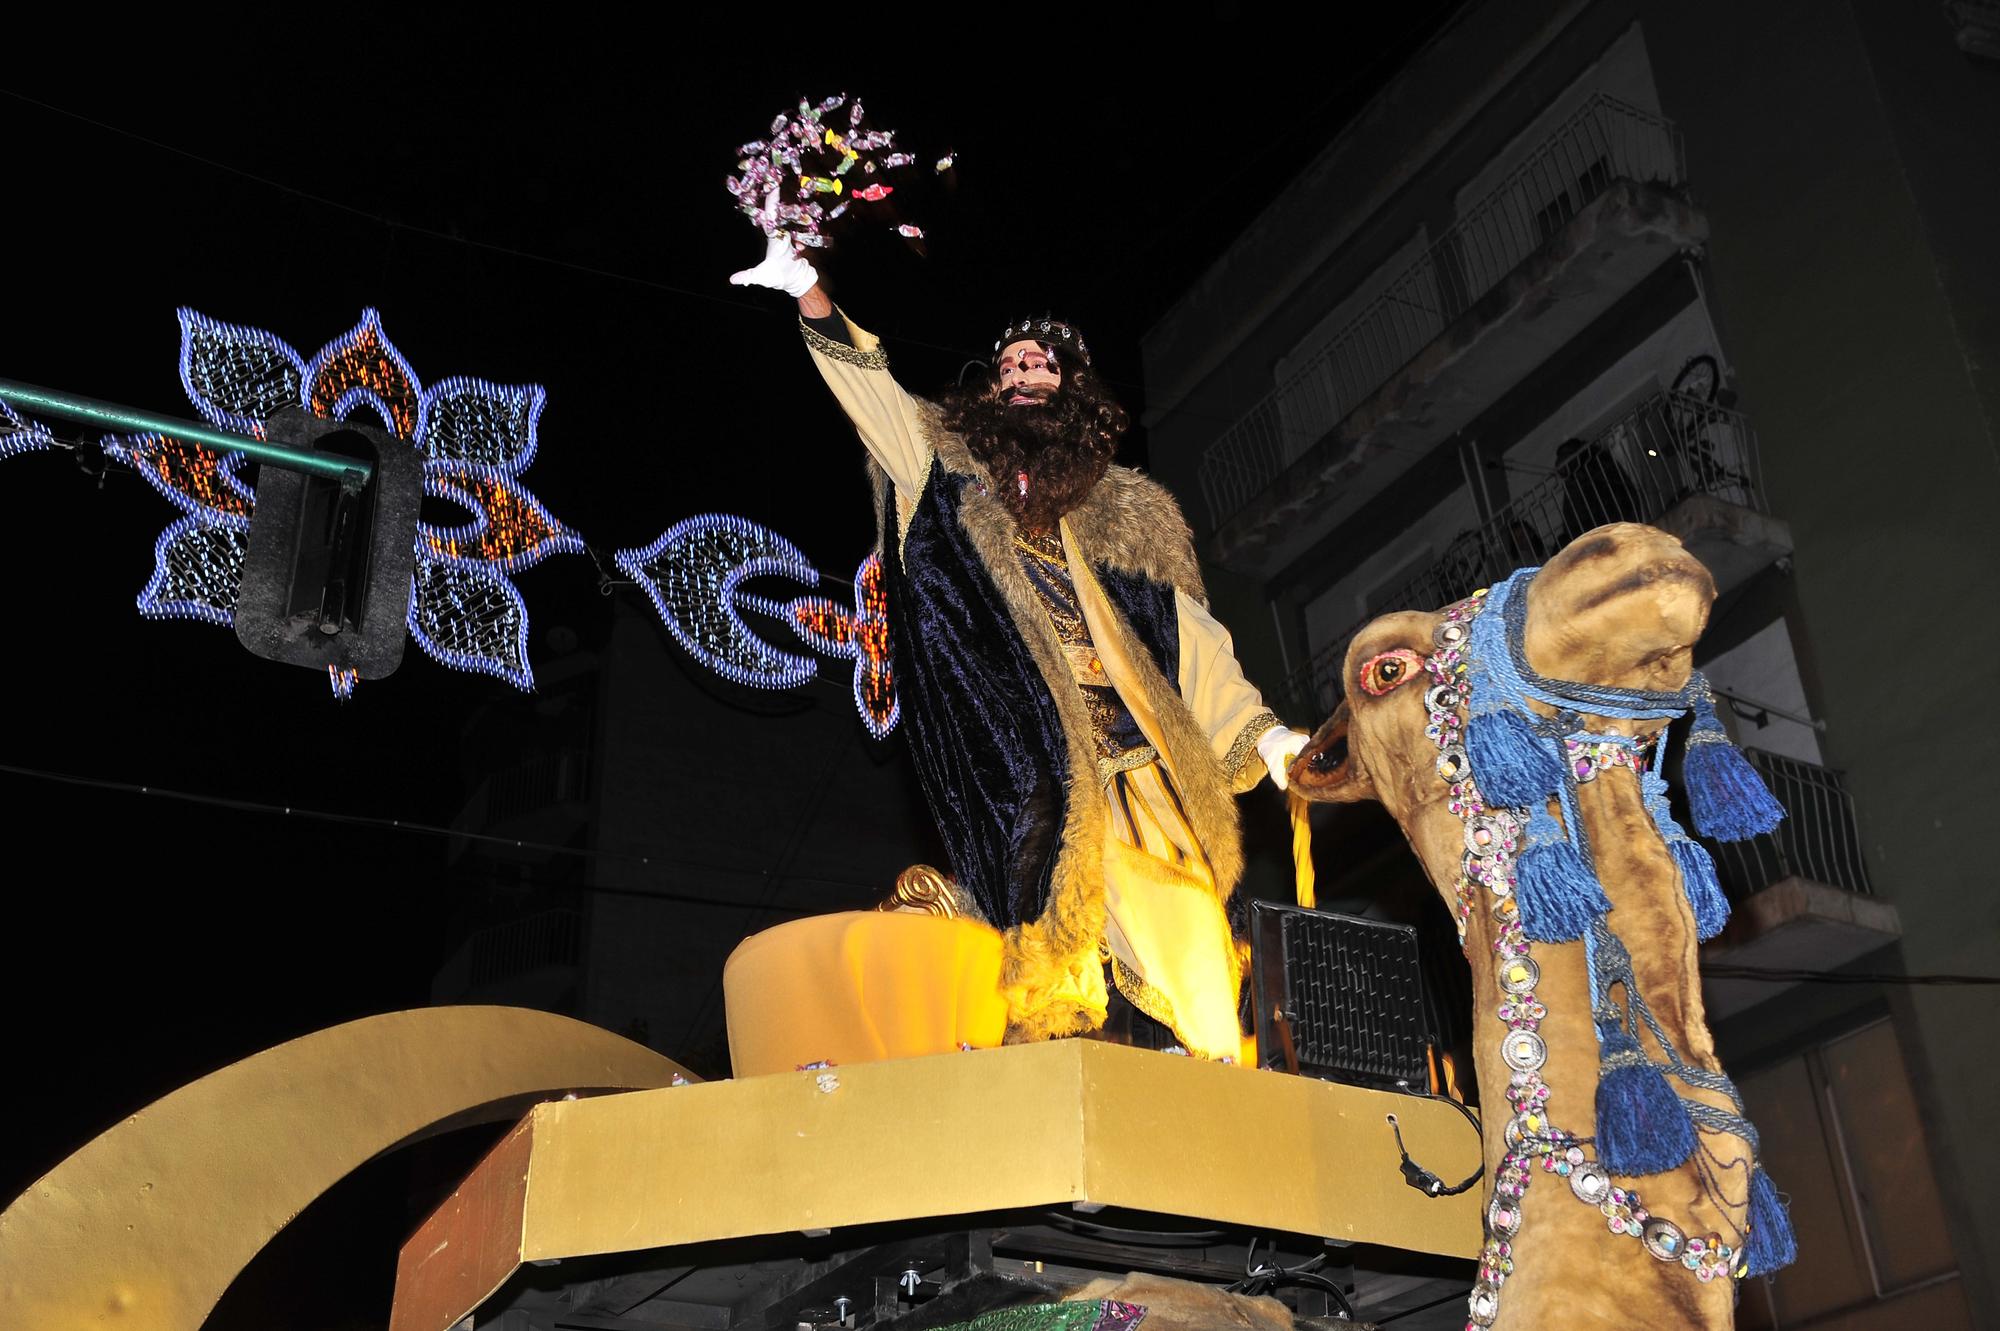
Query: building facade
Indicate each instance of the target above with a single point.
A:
(1726, 269)
(639, 820)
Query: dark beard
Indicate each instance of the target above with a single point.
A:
(1062, 446)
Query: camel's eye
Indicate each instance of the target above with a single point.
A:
(1379, 674)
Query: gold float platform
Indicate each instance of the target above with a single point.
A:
(1075, 1122)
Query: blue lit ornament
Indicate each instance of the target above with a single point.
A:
(477, 437)
(695, 574)
(18, 434)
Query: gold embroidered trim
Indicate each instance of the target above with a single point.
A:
(1084, 662)
(1246, 741)
(1126, 761)
(877, 359)
(1144, 996)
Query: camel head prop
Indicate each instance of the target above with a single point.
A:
(1516, 738)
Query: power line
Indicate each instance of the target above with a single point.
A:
(761, 309)
(1781, 975)
(419, 828)
(393, 224)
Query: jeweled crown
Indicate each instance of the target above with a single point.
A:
(1047, 329)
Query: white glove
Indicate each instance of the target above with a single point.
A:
(1278, 746)
(783, 269)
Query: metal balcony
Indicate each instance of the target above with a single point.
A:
(1817, 840)
(1684, 465)
(1800, 898)
(543, 799)
(529, 962)
(1591, 212)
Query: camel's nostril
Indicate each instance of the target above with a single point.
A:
(1330, 757)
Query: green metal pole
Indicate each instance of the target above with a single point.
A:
(352, 473)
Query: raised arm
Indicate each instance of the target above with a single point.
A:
(852, 362)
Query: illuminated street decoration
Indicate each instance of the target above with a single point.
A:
(18, 434)
(476, 437)
(694, 574)
(237, 377)
(198, 560)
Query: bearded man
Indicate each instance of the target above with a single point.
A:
(1079, 722)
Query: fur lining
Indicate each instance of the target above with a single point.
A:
(1132, 524)
(1040, 956)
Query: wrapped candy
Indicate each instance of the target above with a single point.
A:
(910, 232)
(946, 162)
(779, 177)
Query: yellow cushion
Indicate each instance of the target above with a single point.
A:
(862, 986)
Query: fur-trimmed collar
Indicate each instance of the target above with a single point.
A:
(1128, 522)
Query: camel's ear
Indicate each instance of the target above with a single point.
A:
(1329, 771)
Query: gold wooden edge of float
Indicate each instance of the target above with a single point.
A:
(145, 1226)
(1071, 1121)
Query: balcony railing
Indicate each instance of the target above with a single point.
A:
(1664, 450)
(560, 776)
(1606, 140)
(1818, 839)
(502, 951)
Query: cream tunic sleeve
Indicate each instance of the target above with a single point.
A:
(884, 414)
(1231, 711)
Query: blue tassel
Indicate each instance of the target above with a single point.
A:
(1554, 890)
(1771, 1244)
(1513, 765)
(1642, 1127)
(1704, 891)
(1730, 801)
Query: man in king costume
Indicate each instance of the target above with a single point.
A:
(1078, 719)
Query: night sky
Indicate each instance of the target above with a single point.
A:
(525, 205)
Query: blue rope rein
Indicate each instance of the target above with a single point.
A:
(1570, 696)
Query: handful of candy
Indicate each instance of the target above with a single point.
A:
(783, 179)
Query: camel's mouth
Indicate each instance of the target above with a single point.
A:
(1323, 770)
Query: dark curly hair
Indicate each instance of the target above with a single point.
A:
(1062, 446)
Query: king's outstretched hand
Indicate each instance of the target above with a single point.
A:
(784, 269)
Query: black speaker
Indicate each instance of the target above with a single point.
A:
(326, 578)
(1339, 997)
